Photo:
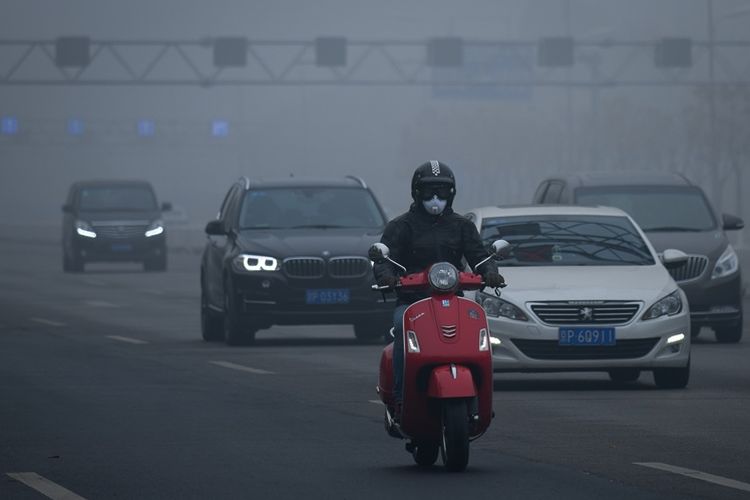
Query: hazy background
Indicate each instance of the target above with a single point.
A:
(500, 144)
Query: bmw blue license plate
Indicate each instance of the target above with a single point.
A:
(587, 336)
(122, 247)
(327, 296)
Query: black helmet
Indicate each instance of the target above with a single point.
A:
(431, 178)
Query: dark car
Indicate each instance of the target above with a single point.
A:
(113, 221)
(674, 213)
(292, 252)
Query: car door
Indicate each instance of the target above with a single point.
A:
(216, 249)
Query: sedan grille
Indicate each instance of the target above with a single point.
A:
(348, 267)
(690, 270)
(304, 267)
(121, 232)
(551, 349)
(585, 313)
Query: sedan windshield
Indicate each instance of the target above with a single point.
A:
(117, 198)
(564, 240)
(655, 208)
(313, 207)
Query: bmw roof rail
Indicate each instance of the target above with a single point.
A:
(245, 182)
(357, 180)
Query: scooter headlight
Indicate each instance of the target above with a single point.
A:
(443, 277)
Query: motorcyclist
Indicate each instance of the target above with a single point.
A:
(429, 232)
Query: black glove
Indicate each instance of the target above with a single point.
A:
(389, 281)
(493, 279)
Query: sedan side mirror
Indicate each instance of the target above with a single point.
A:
(166, 207)
(672, 258)
(215, 228)
(732, 222)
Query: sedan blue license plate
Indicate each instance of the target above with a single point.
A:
(327, 296)
(587, 336)
(122, 247)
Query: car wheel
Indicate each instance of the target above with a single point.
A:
(371, 332)
(72, 264)
(235, 332)
(729, 334)
(672, 378)
(212, 324)
(624, 375)
(155, 264)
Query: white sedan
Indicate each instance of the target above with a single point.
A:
(586, 292)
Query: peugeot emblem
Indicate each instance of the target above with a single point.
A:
(586, 314)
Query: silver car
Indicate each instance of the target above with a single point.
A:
(587, 292)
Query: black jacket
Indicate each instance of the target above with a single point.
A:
(417, 240)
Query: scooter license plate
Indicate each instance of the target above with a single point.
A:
(587, 336)
(327, 296)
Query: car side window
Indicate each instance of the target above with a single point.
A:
(540, 192)
(226, 203)
(553, 193)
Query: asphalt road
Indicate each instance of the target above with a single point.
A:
(108, 391)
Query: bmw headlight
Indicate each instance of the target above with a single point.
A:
(727, 264)
(84, 229)
(668, 306)
(156, 228)
(496, 307)
(443, 276)
(252, 263)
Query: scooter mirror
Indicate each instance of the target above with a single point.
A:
(379, 252)
(500, 248)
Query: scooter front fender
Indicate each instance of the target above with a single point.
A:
(451, 381)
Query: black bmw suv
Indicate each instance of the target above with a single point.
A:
(292, 252)
(116, 220)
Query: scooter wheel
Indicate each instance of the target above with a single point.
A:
(425, 454)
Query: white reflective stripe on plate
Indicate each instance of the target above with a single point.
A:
(235, 366)
(44, 486)
(696, 474)
(126, 339)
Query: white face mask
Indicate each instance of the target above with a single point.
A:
(435, 206)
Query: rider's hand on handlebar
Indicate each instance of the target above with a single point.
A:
(389, 281)
(493, 279)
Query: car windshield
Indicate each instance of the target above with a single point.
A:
(655, 208)
(116, 198)
(309, 207)
(566, 240)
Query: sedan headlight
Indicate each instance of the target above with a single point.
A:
(253, 263)
(727, 264)
(496, 307)
(156, 228)
(84, 229)
(668, 306)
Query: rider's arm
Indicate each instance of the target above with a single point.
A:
(393, 237)
(474, 250)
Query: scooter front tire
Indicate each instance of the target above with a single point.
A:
(455, 435)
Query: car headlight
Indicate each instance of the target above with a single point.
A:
(443, 276)
(496, 307)
(84, 229)
(252, 263)
(668, 306)
(155, 229)
(727, 264)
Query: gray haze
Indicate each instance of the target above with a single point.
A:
(500, 144)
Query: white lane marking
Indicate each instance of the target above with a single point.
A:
(696, 474)
(234, 366)
(126, 339)
(99, 303)
(375, 401)
(44, 486)
(47, 322)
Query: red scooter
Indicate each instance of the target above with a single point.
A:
(447, 392)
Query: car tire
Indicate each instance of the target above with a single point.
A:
(624, 375)
(236, 333)
(372, 332)
(212, 324)
(672, 378)
(729, 334)
(157, 264)
(72, 264)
